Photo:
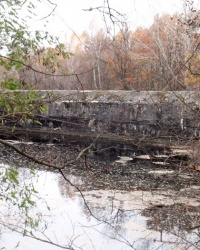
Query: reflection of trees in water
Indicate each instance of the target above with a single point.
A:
(67, 190)
(181, 220)
(111, 220)
(113, 227)
(176, 219)
(179, 216)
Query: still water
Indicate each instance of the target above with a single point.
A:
(114, 220)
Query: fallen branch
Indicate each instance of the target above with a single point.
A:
(34, 159)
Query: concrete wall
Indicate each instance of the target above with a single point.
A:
(139, 113)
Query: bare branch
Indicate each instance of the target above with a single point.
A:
(41, 72)
(38, 161)
(53, 10)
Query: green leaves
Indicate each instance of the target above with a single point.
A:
(11, 84)
(19, 41)
(20, 47)
(27, 201)
(12, 176)
(13, 101)
(19, 102)
(19, 195)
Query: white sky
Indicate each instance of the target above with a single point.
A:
(69, 13)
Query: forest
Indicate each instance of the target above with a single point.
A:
(164, 56)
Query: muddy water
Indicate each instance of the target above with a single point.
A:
(112, 219)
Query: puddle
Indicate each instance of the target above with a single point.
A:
(120, 219)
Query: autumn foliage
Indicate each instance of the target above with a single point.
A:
(164, 56)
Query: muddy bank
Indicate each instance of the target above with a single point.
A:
(119, 167)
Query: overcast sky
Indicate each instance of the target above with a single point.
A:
(70, 14)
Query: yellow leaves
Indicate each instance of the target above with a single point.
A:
(108, 60)
(193, 71)
(191, 79)
(195, 64)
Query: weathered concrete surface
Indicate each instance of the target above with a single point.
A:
(138, 113)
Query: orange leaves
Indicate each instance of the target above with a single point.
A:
(192, 72)
(144, 59)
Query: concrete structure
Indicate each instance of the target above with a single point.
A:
(138, 113)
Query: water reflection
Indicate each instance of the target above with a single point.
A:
(119, 220)
(179, 219)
